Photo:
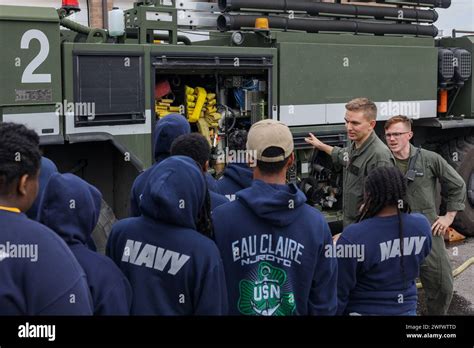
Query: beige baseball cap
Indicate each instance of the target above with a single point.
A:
(269, 133)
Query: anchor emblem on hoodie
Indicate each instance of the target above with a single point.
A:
(265, 295)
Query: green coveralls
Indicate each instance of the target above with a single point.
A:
(356, 163)
(435, 272)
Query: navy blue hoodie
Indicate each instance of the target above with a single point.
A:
(46, 279)
(173, 269)
(272, 245)
(236, 177)
(211, 182)
(71, 207)
(167, 129)
(371, 281)
(217, 199)
(48, 168)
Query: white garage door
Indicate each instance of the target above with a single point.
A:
(81, 17)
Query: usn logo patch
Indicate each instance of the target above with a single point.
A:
(266, 294)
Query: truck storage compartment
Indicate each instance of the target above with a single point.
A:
(218, 95)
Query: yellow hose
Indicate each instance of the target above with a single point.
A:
(203, 128)
(457, 271)
(463, 267)
(201, 98)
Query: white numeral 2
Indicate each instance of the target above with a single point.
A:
(28, 75)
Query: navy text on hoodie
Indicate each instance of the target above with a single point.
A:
(272, 245)
(236, 177)
(375, 284)
(173, 269)
(42, 277)
(71, 208)
(167, 130)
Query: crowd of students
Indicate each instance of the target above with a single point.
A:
(247, 244)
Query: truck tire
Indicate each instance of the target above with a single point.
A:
(462, 149)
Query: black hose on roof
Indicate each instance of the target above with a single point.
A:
(236, 22)
(321, 8)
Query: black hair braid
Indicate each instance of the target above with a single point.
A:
(204, 223)
(19, 153)
(195, 146)
(386, 186)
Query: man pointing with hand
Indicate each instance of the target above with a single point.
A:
(365, 152)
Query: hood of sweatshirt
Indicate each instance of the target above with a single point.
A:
(167, 129)
(48, 168)
(240, 173)
(280, 205)
(71, 207)
(174, 192)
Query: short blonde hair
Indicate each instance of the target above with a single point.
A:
(364, 105)
(398, 119)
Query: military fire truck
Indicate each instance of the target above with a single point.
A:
(94, 95)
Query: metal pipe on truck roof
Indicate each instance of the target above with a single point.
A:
(105, 17)
(236, 22)
(74, 26)
(316, 8)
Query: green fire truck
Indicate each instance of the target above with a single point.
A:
(94, 95)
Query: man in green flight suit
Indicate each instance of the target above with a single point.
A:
(423, 169)
(365, 152)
